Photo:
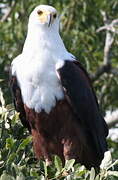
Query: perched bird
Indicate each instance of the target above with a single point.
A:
(54, 96)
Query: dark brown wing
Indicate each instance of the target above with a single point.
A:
(18, 103)
(90, 84)
(80, 93)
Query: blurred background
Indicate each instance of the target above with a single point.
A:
(89, 29)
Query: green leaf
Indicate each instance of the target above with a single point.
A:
(113, 173)
(58, 164)
(42, 177)
(15, 117)
(69, 164)
(97, 177)
(80, 173)
(69, 177)
(1, 80)
(79, 170)
(92, 174)
(45, 169)
(107, 161)
(5, 176)
(113, 164)
(9, 143)
(20, 177)
(87, 174)
(11, 158)
(33, 172)
(24, 143)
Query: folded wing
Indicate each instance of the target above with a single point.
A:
(80, 95)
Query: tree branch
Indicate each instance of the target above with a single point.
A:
(101, 70)
(8, 13)
(110, 27)
(111, 31)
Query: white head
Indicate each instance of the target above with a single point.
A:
(44, 16)
(43, 33)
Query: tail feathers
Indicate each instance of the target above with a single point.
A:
(99, 138)
(98, 144)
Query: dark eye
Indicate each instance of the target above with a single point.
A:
(55, 15)
(39, 12)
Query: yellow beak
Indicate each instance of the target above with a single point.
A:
(46, 17)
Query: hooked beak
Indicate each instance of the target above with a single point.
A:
(46, 17)
(50, 20)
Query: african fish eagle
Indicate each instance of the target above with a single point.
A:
(54, 96)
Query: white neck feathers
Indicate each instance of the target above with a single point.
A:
(45, 38)
(35, 68)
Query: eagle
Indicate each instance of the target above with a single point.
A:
(54, 95)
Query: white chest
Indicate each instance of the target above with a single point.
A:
(40, 86)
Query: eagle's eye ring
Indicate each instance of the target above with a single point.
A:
(55, 15)
(39, 12)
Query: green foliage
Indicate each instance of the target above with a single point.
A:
(17, 159)
(79, 21)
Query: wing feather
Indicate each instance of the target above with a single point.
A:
(18, 102)
(80, 93)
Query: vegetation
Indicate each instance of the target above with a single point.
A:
(17, 159)
(80, 21)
